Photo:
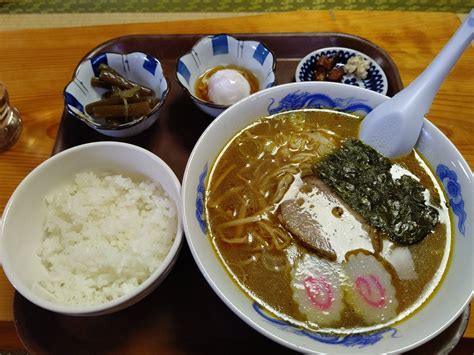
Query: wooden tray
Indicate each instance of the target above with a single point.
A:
(183, 315)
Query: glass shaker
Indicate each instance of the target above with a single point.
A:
(10, 121)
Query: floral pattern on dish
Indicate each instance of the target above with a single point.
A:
(376, 79)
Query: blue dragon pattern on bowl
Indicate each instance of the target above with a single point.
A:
(300, 99)
(351, 340)
(201, 191)
(450, 181)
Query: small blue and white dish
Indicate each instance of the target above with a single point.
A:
(222, 49)
(376, 79)
(141, 68)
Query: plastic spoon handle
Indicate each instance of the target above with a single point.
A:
(394, 126)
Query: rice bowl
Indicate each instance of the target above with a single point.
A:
(21, 242)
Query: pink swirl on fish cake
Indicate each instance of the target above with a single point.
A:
(319, 291)
(365, 286)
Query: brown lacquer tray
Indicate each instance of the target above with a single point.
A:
(183, 315)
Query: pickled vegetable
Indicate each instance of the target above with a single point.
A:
(125, 102)
(110, 77)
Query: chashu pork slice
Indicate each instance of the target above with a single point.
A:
(323, 223)
(307, 230)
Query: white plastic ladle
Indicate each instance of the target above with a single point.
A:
(393, 127)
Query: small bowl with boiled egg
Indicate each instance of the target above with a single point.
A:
(220, 70)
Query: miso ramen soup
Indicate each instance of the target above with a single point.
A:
(263, 176)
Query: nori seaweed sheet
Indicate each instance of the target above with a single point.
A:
(361, 177)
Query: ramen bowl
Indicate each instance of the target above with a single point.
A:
(444, 305)
(224, 50)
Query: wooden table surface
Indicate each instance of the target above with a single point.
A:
(35, 65)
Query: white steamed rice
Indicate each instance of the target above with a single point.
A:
(104, 236)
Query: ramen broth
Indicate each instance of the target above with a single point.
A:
(268, 163)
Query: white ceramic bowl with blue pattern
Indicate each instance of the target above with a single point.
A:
(376, 79)
(445, 305)
(141, 68)
(222, 49)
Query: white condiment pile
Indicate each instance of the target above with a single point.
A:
(358, 65)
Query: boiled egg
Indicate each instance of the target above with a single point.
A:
(227, 86)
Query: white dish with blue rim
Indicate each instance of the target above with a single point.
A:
(443, 306)
(141, 68)
(222, 49)
(376, 79)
